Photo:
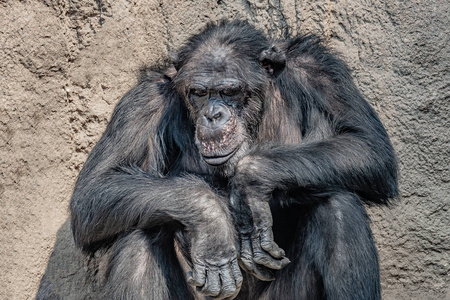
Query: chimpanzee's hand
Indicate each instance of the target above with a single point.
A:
(259, 254)
(216, 270)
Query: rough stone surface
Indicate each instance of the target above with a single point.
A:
(64, 64)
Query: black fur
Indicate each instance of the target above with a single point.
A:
(307, 152)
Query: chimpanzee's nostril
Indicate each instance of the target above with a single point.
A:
(210, 113)
(215, 115)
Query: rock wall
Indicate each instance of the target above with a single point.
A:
(64, 64)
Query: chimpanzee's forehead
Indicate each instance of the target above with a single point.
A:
(218, 66)
(218, 56)
(218, 59)
(213, 76)
(215, 81)
(215, 66)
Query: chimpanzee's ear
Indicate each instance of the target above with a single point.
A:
(170, 72)
(175, 58)
(273, 60)
(173, 66)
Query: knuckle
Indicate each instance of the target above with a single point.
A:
(266, 245)
(248, 264)
(246, 254)
(196, 282)
(228, 290)
(213, 291)
(259, 254)
(261, 260)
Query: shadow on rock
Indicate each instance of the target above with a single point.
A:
(70, 274)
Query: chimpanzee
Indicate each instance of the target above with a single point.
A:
(248, 161)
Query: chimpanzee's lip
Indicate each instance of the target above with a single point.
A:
(217, 160)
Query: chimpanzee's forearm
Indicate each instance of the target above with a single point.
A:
(126, 198)
(348, 162)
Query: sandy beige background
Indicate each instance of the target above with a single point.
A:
(64, 64)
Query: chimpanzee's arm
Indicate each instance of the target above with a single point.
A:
(358, 159)
(122, 187)
(114, 194)
(344, 147)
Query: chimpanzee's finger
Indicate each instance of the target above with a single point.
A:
(212, 284)
(259, 271)
(268, 244)
(246, 253)
(246, 261)
(263, 258)
(238, 278)
(198, 276)
(271, 263)
(227, 280)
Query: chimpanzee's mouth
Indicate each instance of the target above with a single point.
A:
(217, 160)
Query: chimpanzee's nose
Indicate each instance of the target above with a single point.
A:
(215, 115)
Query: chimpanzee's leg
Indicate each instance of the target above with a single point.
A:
(333, 255)
(144, 265)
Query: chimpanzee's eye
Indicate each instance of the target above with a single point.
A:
(231, 92)
(198, 92)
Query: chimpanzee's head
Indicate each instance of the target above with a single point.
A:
(221, 76)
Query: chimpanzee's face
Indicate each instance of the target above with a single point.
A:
(217, 103)
(222, 89)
